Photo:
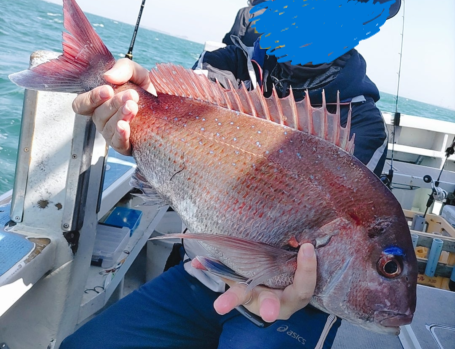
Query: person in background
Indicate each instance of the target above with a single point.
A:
(242, 26)
(185, 307)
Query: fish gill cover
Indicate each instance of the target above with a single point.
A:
(312, 31)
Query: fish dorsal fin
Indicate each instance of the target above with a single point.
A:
(175, 80)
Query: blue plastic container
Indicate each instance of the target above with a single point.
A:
(125, 217)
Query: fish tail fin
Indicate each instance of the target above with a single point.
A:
(80, 68)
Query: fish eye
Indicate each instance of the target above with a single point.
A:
(389, 266)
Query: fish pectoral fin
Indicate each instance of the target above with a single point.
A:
(255, 261)
(217, 268)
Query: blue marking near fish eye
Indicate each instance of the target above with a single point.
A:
(319, 31)
(394, 250)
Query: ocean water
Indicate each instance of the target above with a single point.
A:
(30, 25)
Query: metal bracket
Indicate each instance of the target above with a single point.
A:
(73, 239)
(23, 156)
(78, 173)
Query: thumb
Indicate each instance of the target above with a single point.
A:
(125, 70)
(121, 72)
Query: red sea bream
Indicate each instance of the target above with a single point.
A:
(254, 178)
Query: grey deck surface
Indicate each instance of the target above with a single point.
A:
(434, 307)
(354, 337)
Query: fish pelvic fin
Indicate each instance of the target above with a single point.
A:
(255, 262)
(219, 269)
(178, 81)
(80, 68)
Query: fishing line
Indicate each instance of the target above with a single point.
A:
(397, 115)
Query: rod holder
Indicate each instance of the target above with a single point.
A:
(418, 223)
(452, 280)
(433, 257)
(415, 239)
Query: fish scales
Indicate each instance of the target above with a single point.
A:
(254, 178)
(250, 183)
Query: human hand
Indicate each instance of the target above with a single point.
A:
(272, 304)
(111, 112)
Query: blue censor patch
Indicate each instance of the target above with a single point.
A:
(394, 251)
(312, 31)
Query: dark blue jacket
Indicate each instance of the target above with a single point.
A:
(347, 74)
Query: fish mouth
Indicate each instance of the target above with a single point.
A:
(393, 319)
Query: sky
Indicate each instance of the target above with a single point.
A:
(428, 61)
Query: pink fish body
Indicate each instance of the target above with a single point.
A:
(254, 178)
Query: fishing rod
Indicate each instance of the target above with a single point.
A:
(438, 193)
(397, 115)
(136, 28)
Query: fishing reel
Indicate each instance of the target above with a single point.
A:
(437, 193)
(450, 150)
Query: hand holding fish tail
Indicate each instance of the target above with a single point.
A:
(111, 112)
(274, 304)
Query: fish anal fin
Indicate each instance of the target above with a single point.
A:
(149, 195)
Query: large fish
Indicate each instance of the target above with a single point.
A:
(254, 178)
